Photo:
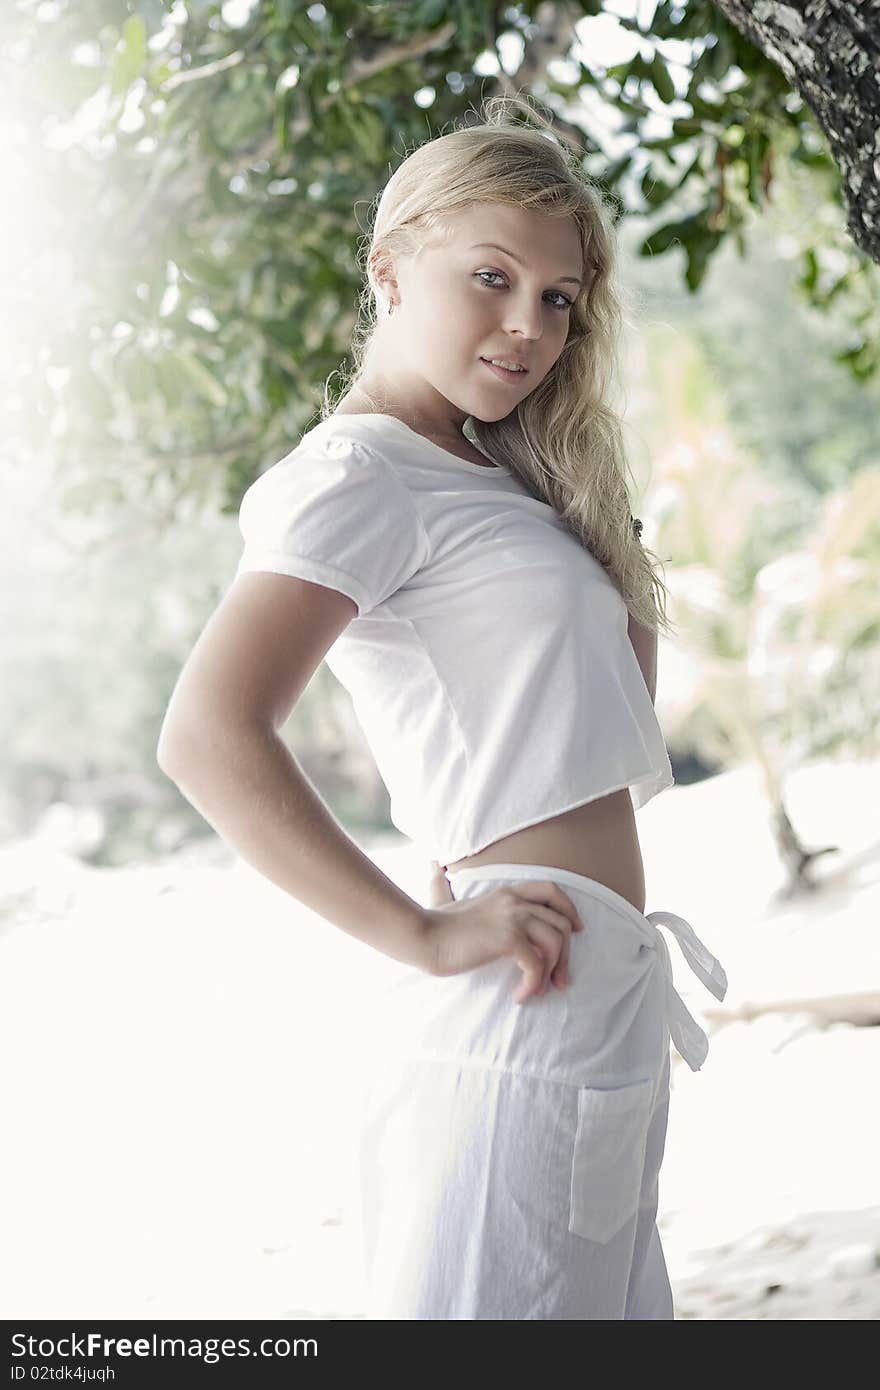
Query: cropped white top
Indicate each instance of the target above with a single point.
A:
(489, 664)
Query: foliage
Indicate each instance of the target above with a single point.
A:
(182, 276)
(774, 586)
(202, 165)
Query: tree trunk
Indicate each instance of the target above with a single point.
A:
(829, 50)
(796, 857)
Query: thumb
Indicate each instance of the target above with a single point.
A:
(440, 891)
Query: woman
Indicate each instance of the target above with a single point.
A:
(485, 598)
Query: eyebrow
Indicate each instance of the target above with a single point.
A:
(518, 260)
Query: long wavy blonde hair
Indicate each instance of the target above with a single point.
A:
(564, 441)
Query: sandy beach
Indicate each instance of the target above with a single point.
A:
(181, 1044)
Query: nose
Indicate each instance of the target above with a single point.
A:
(524, 318)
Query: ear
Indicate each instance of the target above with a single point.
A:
(383, 275)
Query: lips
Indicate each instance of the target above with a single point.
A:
(503, 373)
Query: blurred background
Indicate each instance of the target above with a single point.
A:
(187, 188)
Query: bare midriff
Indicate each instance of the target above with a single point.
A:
(598, 840)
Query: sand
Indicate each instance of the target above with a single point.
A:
(179, 1042)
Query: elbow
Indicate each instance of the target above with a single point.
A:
(163, 759)
(170, 751)
(184, 750)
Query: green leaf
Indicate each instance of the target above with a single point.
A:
(283, 106)
(756, 149)
(722, 56)
(207, 272)
(662, 142)
(808, 279)
(128, 59)
(204, 381)
(663, 83)
(654, 190)
(697, 260)
(689, 169)
(288, 332)
(699, 248)
(612, 171)
(221, 195)
(664, 237)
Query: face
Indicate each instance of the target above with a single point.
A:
(460, 302)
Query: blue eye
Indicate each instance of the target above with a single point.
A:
(566, 302)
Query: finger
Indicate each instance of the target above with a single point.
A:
(551, 895)
(549, 936)
(439, 891)
(531, 963)
(561, 974)
(549, 940)
(556, 944)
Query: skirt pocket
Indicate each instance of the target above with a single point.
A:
(609, 1158)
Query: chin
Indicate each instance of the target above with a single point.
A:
(488, 419)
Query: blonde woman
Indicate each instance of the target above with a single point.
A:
(455, 537)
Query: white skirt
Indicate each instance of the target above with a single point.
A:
(507, 1155)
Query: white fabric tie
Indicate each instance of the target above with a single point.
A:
(690, 1041)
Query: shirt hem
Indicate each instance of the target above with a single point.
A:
(300, 567)
(663, 779)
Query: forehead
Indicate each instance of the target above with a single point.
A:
(535, 236)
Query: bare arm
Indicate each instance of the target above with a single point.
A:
(644, 641)
(220, 745)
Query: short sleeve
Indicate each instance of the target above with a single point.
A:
(338, 513)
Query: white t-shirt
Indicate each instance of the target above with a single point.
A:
(489, 664)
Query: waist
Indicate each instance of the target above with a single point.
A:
(597, 839)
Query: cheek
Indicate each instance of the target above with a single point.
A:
(471, 308)
(452, 307)
(556, 344)
(461, 323)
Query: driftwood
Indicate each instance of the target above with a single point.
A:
(861, 1009)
